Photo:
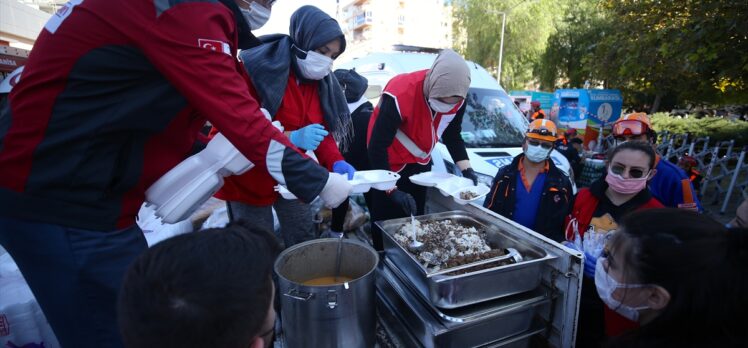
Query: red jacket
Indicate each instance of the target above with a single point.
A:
(301, 107)
(418, 124)
(584, 208)
(112, 97)
(585, 204)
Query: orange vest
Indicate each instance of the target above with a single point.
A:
(538, 114)
(420, 128)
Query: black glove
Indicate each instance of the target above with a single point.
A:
(470, 174)
(404, 200)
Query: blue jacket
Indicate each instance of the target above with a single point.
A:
(672, 187)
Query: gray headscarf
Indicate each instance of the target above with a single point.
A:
(449, 76)
(268, 66)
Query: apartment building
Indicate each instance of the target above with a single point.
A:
(377, 25)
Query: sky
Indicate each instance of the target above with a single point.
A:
(281, 16)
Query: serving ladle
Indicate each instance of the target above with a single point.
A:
(415, 245)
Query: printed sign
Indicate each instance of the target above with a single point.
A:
(499, 162)
(604, 112)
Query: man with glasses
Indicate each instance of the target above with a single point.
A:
(211, 288)
(671, 186)
(532, 191)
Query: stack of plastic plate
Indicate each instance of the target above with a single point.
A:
(362, 181)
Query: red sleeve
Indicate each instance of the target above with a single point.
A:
(200, 61)
(327, 152)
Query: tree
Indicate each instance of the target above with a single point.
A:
(692, 50)
(570, 50)
(528, 25)
(670, 51)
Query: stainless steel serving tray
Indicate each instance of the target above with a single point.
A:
(453, 291)
(510, 320)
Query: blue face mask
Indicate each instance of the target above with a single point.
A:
(537, 154)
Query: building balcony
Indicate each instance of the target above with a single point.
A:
(362, 20)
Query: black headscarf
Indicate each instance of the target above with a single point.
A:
(353, 84)
(268, 66)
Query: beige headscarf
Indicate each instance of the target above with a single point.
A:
(449, 76)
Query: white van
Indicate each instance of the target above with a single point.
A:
(493, 128)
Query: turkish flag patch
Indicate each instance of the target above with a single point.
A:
(214, 45)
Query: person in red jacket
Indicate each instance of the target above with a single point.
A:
(415, 111)
(292, 76)
(599, 208)
(112, 97)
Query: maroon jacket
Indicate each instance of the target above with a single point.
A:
(113, 96)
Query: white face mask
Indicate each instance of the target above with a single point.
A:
(537, 154)
(256, 16)
(606, 285)
(315, 66)
(440, 106)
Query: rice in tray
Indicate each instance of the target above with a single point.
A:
(447, 244)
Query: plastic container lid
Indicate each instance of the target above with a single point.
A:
(447, 187)
(430, 179)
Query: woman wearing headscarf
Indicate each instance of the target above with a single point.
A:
(291, 77)
(416, 110)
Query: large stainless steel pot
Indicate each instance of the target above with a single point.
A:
(342, 315)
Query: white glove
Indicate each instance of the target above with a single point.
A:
(336, 190)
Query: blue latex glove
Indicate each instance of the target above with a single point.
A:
(309, 137)
(590, 262)
(343, 167)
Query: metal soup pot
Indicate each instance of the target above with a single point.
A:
(337, 315)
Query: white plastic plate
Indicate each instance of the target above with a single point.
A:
(362, 182)
(430, 178)
(365, 180)
(448, 186)
(481, 191)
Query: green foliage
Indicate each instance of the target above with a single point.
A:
(717, 128)
(565, 62)
(671, 51)
(528, 25)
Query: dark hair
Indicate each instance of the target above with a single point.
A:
(635, 146)
(701, 263)
(210, 288)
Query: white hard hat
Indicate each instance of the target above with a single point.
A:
(11, 80)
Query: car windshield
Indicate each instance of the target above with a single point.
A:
(492, 120)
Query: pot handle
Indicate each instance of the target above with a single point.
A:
(297, 295)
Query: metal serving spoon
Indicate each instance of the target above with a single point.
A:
(415, 245)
